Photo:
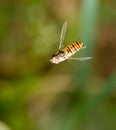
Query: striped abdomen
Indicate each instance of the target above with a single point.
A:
(74, 47)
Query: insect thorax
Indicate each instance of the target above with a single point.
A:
(60, 53)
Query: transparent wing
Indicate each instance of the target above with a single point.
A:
(63, 31)
(80, 58)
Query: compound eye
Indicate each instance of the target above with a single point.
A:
(53, 56)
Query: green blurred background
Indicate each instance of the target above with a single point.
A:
(73, 95)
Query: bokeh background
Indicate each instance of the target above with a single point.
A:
(73, 95)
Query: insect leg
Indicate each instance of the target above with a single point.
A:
(84, 47)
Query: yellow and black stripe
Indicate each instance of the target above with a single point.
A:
(68, 49)
(74, 47)
(77, 45)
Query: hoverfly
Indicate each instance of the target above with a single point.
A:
(67, 52)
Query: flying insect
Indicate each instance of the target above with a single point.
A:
(66, 53)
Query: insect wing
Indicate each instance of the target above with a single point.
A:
(80, 58)
(63, 31)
